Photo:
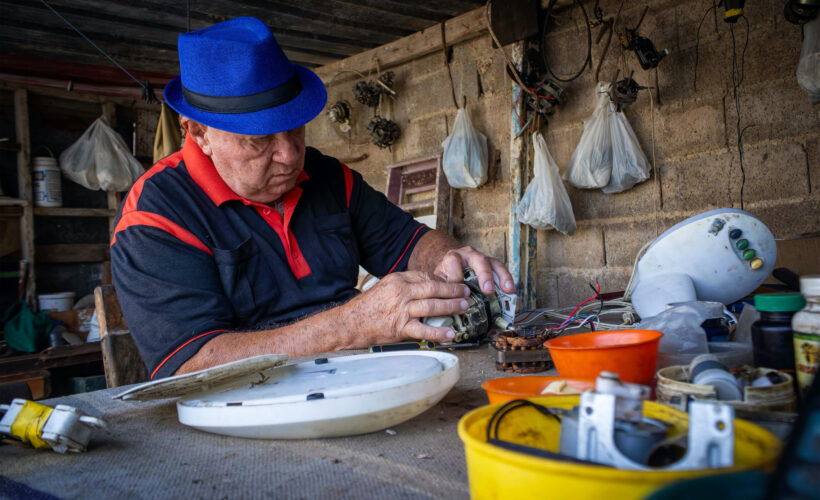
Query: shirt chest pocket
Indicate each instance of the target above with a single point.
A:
(240, 270)
(338, 245)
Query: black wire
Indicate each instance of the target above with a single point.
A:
(188, 13)
(737, 79)
(697, 45)
(147, 91)
(495, 420)
(543, 45)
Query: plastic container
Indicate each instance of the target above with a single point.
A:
(772, 336)
(806, 327)
(56, 302)
(502, 390)
(731, 354)
(498, 473)
(632, 354)
(48, 190)
(707, 370)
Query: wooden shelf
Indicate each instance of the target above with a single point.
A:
(74, 212)
(9, 146)
(6, 201)
(73, 252)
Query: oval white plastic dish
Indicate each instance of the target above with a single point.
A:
(341, 396)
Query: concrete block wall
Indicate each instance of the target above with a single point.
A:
(695, 134)
(425, 111)
(695, 139)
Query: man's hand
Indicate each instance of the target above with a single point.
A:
(392, 309)
(451, 269)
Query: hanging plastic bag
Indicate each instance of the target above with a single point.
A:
(545, 203)
(591, 162)
(629, 164)
(465, 154)
(101, 160)
(808, 69)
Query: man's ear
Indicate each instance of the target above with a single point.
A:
(197, 132)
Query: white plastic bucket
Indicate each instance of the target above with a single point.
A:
(56, 302)
(48, 190)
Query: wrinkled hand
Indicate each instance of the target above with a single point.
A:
(452, 266)
(392, 309)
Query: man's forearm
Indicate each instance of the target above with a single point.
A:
(429, 251)
(322, 332)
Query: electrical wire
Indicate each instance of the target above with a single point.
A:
(147, 91)
(737, 79)
(542, 46)
(697, 45)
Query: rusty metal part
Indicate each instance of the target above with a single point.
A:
(384, 132)
(521, 351)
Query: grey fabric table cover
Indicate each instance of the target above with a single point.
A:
(147, 453)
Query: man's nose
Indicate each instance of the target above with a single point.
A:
(286, 148)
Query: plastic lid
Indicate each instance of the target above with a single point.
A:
(779, 302)
(810, 285)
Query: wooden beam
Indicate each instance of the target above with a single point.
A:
(458, 29)
(74, 252)
(24, 185)
(55, 88)
(74, 212)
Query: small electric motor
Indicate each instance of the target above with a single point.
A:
(484, 313)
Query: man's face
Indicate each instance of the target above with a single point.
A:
(260, 168)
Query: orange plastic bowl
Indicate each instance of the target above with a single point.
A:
(632, 354)
(502, 390)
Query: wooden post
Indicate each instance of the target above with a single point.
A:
(109, 111)
(21, 125)
(521, 239)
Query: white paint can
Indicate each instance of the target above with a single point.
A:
(48, 190)
(56, 302)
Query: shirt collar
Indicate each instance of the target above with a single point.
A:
(203, 172)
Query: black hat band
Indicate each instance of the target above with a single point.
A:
(245, 103)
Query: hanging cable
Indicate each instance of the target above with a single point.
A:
(737, 79)
(147, 91)
(697, 45)
(447, 63)
(543, 46)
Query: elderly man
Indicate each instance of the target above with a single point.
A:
(246, 242)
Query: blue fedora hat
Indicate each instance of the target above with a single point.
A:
(235, 77)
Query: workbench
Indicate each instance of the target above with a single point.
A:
(147, 453)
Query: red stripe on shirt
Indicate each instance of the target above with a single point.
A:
(406, 248)
(348, 182)
(180, 347)
(136, 190)
(137, 218)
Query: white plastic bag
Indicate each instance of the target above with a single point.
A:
(680, 325)
(545, 203)
(808, 69)
(591, 162)
(629, 164)
(465, 154)
(101, 160)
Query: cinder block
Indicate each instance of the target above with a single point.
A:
(562, 141)
(772, 172)
(487, 206)
(776, 110)
(623, 241)
(421, 137)
(700, 184)
(594, 204)
(573, 287)
(488, 241)
(790, 220)
(775, 172)
(584, 249)
(546, 289)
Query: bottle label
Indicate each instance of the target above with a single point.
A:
(806, 358)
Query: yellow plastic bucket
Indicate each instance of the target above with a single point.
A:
(496, 473)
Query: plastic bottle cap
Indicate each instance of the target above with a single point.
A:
(810, 285)
(779, 302)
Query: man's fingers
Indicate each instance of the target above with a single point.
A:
(452, 266)
(480, 263)
(418, 330)
(437, 289)
(436, 307)
(504, 276)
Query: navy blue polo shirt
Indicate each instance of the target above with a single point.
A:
(191, 259)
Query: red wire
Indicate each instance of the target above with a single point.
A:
(598, 294)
